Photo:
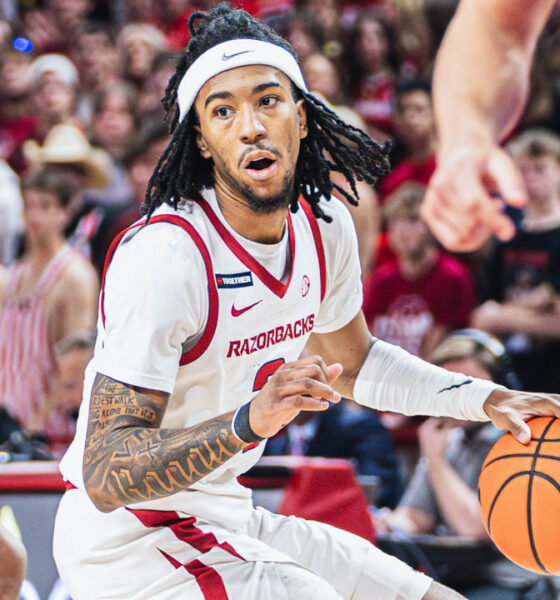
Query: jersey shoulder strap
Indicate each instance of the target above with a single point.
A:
(199, 348)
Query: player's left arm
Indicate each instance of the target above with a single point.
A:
(386, 377)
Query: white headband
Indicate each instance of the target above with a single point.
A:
(230, 55)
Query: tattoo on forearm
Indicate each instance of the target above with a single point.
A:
(128, 458)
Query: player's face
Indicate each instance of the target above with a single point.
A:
(251, 128)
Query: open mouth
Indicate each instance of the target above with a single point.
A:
(261, 168)
(260, 164)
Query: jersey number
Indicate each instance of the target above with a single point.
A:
(265, 372)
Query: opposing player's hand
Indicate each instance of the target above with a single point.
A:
(304, 384)
(464, 202)
(509, 409)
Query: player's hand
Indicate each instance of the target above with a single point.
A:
(464, 202)
(509, 409)
(304, 384)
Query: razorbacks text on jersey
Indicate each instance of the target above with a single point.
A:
(190, 308)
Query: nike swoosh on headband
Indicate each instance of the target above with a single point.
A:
(234, 53)
(229, 56)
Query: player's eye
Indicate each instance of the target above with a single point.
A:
(223, 112)
(269, 101)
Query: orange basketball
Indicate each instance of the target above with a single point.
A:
(519, 492)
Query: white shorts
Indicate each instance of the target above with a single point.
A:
(157, 555)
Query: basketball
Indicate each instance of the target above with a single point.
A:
(519, 493)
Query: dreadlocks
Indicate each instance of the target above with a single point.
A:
(330, 145)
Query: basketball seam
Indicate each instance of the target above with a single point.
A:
(495, 499)
(529, 489)
(547, 456)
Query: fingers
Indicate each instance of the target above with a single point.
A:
(456, 230)
(311, 366)
(307, 387)
(504, 177)
(454, 217)
(519, 429)
(490, 214)
(335, 370)
(464, 202)
(509, 409)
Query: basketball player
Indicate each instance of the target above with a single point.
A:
(481, 81)
(203, 316)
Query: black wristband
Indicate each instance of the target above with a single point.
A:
(242, 428)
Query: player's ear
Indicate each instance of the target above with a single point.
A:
(302, 113)
(204, 152)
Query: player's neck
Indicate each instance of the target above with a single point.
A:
(255, 226)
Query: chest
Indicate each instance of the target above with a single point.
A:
(256, 311)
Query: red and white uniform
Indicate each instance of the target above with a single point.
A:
(191, 308)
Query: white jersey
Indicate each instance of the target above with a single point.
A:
(191, 308)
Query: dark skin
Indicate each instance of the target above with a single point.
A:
(128, 457)
(245, 114)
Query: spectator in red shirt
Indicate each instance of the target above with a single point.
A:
(374, 61)
(17, 121)
(417, 298)
(416, 138)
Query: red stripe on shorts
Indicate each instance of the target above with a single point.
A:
(210, 583)
(184, 529)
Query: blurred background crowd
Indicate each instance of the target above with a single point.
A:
(81, 129)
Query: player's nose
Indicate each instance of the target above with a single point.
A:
(251, 128)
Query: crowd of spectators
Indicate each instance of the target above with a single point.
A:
(81, 129)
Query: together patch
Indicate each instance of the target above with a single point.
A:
(234, 280)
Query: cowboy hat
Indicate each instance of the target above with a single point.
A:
(67, 144)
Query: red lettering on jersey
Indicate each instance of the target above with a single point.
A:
(234, 348)
(288, 333)
(270, 338)
(266, 339)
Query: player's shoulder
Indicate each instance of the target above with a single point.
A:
(165, 233)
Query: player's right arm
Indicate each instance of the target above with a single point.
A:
(129, 458)
(481, 81)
